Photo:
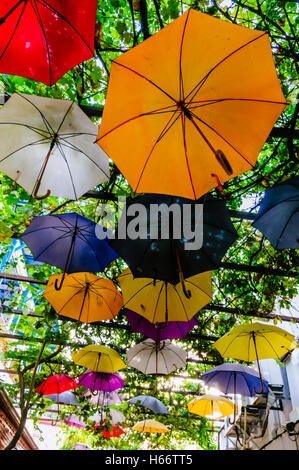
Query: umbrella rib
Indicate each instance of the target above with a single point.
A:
(220, 100)
(15, 29)
(147, 79)
(162, 134)
(63, 155)
(39, 19)
(150, 113)
(181, 81)
(223, 138)
(158, 298)
(64, 117)
(183, 121)
(54, 241)
(45, 120)
(37, 142)
(194, 91)
(69, 300)
(51, 8)
(287, 223)
(70, 145)
(292, 198)
(94, 251)
(163, 357)
(198, 287)
(40, 132)
(184, 309)
(138, 292)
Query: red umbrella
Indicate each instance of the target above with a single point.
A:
(56, 384)
(116, 431)
(44, 39)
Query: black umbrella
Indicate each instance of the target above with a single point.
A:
(171, 259)
(278, 217)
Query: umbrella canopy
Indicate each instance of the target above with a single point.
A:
(234, 378)
(84, 297)
(194, 104)
(159, 332)
(168, 251)
(69, 242)
(156, 358)
(113, 416)
(56, 384)
(49, 147)
(76, 421)
(116, 431)
(152, 403)
(104, 381)
(150, 425)
(98, 359)
(104, 398)
(32, 35)
(211, 405)
(160, 301)
(65, 398)
(255, 341)
(278, 217)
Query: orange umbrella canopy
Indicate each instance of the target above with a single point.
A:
(191, 106)
(84, 297)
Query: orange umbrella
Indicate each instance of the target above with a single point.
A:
(191, 107)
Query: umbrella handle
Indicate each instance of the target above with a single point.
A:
(58, 287)
(262, 389)
(40, 197)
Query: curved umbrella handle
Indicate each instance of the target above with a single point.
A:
(36, 191)
(262, 389)
(58, 287)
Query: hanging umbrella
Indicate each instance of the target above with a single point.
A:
(159, 332)
(101, 381)
(84, 297)
(156, 358)
(150, 425)
(255, 341)
(98, 359)
(76, 421)
(56, 384)
(116, 431)
(64, 398)
(211, 405)
(103, 398)
(152, 403)
(160, 301)
(69, 242)
(43, 40)
(236, 379)
(116, 417)
(166, 252)
(49, 147)
(278, 217)
(194, 104)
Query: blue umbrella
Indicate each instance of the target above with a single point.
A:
(66, 398)
(150, 402)
(234, 378)
(69, 242)
(278, 217)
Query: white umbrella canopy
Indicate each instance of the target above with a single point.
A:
(47, 147)
(104, 398)
(156, 358)
(116, 417)
(66, 398)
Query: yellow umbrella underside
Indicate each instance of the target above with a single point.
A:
(158, 301)
(84, 297)
(150, 425)
(271, 342)
(99, 359)
(209, 405)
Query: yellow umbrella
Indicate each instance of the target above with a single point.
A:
(254, 341)
(191, 106)
(84, 297)
(159, 301)
(209, 405)
(99, 359)
(150, 425)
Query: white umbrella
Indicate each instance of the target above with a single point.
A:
(66, 398)
(116, 417)
(156, 358)
(47, 146)
(103, 398)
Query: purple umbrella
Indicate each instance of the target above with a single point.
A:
(101, 381)
(159, 332)
(75, 421)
